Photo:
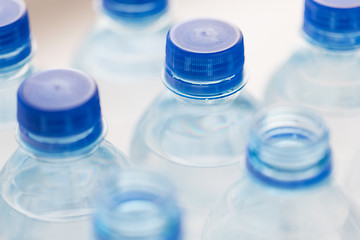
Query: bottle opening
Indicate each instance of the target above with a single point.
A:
(289, 146)
(136, 205)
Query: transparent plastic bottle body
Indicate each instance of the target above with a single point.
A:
(53, 197)
(137, 205)
(48, 187)
(121, 51)
(199, 144)
(126, 59)
(327, 81)
(353, 179)
(10, 79)
(287, 192)
(324, 74)
(252, 210)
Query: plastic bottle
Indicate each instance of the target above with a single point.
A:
(287, 192)
(324, 73)
(127, 41)
(48, 186)
(15, 65)
(196, 130)
(137, 205)
(124, 51)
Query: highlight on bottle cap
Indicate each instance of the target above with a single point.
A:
(204, 59)
(134, 9)
(59, 103)
(15, 40)
(333, 24)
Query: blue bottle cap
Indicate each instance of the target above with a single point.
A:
(59, 103)
(333, 24)
(204, 59)
(15, 41)
(134, 9)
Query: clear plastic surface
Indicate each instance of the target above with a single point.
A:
(199, 144)
(137, 205)
(126, 59)
(287, 192)
(252, 210)
(122, 51)
(327, 81)
(10, 79)
(52, 196)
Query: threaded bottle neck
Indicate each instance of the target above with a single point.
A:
(137, 205)
(289, 147)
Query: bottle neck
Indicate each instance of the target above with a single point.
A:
(13, 75)
(137, 205)
(74, 145)
(196, 92)
(324, 51)
(159, 22)
(289, 148)
(204, 102)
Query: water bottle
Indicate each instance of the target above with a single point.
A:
(124, 52)
(137, 205)
(127, 41)
(196, 131)
(48, 186)
(324, 73)
(15, 65)
(287, 192)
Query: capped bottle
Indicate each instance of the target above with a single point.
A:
(196, 130)
(124, 51)
(48, 186)
(324, 73)
(16, 52)
(137, 205)
(288, 192)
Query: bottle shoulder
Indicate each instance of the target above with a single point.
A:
(40, 185)
(113, 56)
(169, 105)
(214, 134)
(321, 211)
(307, 60)
(104, 153)
(327, 82)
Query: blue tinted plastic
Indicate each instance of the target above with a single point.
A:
(59, 103)
(290, 195)
(15, 40)
(333, 24)
(204, 58)
(137, 205)
(132, 10)
(198, 142)
(289, 148)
